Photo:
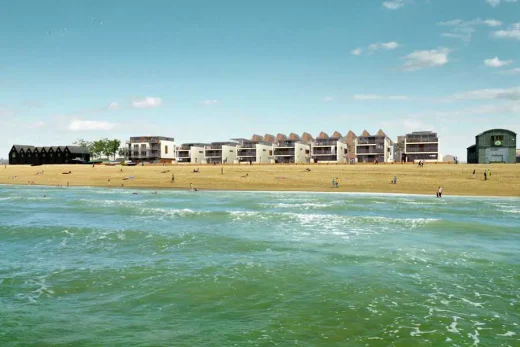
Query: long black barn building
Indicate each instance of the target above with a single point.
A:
(30, 155)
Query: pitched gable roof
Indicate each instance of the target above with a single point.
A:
(281, 137)
(323, 136)
(18, 148)
(365, 133)
(351, 135)
(269, 138)
(381, 133)
(256, 137)
(337, 135)
(307, 137)
(294, 137)
(78, 149)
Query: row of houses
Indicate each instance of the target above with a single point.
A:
(366, 148)
(31, 155)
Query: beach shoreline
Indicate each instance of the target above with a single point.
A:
(456, 180)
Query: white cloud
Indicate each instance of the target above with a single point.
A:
(493, 22)
(113, 105)
(209, 102)
(495, 62)
(87, 125)
(426, 59)
(372, 48)
(490, 94)
(393, 4)
(464, 30)
(328, 99)
(364, 97)
(493, 3)
(513, 32)
(512, 71)
(386, 46)
(147, 102)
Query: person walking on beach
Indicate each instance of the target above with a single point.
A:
(109, 182)
(173, 178)
(474, 172)
(439, 192)
(337, 182)
(489, 173)
(333, 182)
(485, 175)
(395, 179)
(221, 170)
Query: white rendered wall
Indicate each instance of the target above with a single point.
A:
(229, 154)
(263, 153)
(171, 149)
(197, 155)
(299, 152)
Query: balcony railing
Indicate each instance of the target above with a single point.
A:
(213, 153)
(423, 138)
(328, 142)
(362, 150)
(183, 154)
(283, 151)
(421, 148)
(323, 151)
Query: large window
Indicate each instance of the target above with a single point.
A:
(165, 149)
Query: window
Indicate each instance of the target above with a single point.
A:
(14, 155)
(165, 149)
(497, 140)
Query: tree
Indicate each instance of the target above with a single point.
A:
(83, 143)
(112, 146)
(123, 152)
(98, 148)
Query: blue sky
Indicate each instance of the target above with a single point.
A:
(213, 70)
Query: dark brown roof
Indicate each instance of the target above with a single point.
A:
(365, 133)
(337, 135)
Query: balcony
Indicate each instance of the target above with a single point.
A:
(183, 154)
(370, 150)
(367, 141)
(284, 152)
(246, 153)
(422, 148)
(327, 142)
(322, 151)
(422, 139)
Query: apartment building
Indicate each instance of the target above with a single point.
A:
(255, 150)
(151, 148)
(372, 148)
(325, 149)
(290, 150)
(421, 145)
(191, 153)
(220, 152)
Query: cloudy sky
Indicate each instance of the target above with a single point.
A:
(213, 70)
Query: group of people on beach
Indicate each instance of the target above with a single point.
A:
(335, 182)
(487, 174)
(420, 163)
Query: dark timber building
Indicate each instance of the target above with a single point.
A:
(30, 155)
(493, 146)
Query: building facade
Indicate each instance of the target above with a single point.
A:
(191, 153)
(151, 148)
(220, 153)
(31, 155)
(254, 151)
(421, 145)
(326, 149)
(371, 148)
(493, 146)
(290, 150)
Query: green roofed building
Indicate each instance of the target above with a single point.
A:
(493, 146)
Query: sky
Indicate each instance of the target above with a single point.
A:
(203, 71)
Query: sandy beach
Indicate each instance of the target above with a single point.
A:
(454, 179)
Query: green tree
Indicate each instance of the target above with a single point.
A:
(112, 146)
(98, 148)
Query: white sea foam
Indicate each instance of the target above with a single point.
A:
(476, 304)
(508, 334)
(452, 328)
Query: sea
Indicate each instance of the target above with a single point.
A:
(115, 267)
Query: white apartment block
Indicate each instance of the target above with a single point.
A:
(191, 153)
(220, 153)
(151, 148)
(329, 150)
(250, 151)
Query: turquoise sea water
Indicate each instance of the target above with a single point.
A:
(105, 267)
